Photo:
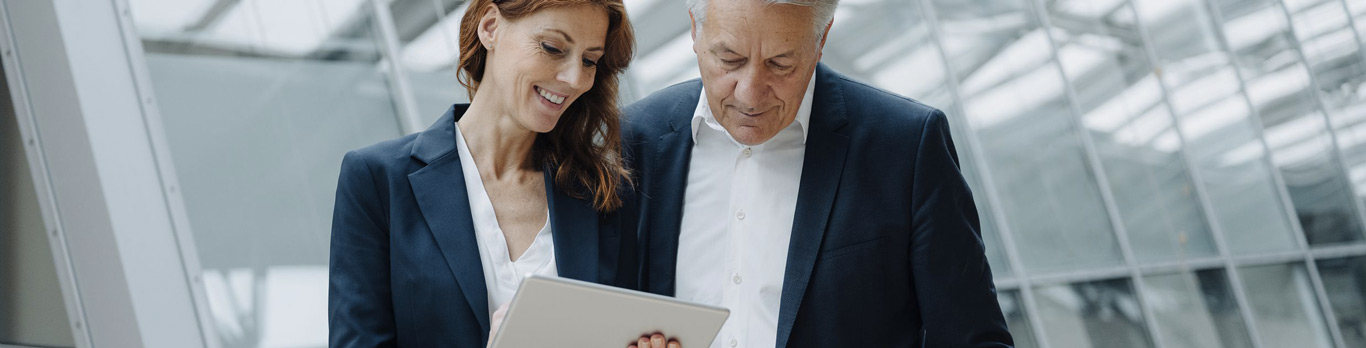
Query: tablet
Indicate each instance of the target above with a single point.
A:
(557, 312)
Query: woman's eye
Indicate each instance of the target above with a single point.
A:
(550, 49)
(589, 63)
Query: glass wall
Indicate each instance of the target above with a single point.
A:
(1150, 173)
(260, 99)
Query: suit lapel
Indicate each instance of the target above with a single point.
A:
(441, 195)
(574, 227)
(669, 181)
(826, 149)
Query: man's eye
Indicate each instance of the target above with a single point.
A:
(732, 61)
(550, 49)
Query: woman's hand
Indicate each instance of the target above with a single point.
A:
(497, 320)
(655, 340)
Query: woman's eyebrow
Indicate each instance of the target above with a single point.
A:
(571, 39)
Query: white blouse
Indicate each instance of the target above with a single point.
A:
(502, 276)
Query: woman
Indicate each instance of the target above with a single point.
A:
(432, 232)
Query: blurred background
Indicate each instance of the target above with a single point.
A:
(1150, 173)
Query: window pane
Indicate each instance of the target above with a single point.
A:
(1334, 55)
(429, 37)
(1284, 306)
(1196, 310)
(1096, 314)
(1281, 90)
(259, 100)
(1345, 282)
(1020, 329)
(664, 53)
(1124, 111)
(32, 311)
(1220, 133)
(1014, 103)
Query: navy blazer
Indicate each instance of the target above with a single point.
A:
(885, 249)
(405, 268)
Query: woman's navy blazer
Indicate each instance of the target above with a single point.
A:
(405, 267)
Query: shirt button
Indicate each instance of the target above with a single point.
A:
(747, 152)
(736, 278)
(733, 342)
(740, 215)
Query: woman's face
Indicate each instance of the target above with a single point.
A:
(541, 63)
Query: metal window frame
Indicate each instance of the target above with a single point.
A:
(1193, 169)
(1020, 274)
(1326, 308)
(1024, 281)
(1136, 282)
(42, 182)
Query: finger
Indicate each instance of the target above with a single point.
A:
(674, 344)
(657, 340)
(643, 342)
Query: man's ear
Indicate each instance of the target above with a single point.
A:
(692, 25)
(692, 29)
(488, 26)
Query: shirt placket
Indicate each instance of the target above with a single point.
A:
(742, 183)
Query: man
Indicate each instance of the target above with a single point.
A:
(821, 211)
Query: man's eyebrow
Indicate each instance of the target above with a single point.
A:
(571, 39)
(722, 48)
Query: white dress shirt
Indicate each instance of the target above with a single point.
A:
(502, 276)
(737, 223)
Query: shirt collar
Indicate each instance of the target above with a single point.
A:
(703, 111)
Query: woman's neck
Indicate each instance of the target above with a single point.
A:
(500, 145)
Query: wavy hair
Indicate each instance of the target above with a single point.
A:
(585, 146)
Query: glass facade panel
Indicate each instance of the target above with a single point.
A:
(1221, 135)
(1345, 282)
(1250, 124)
(1196, 309)
(1014, 102)
(1094, 314)
(429, 44)
(1333, 53)
(1281, 89)
(1016, 320)
(259, 100)
(1125, 113)
(1283, 303)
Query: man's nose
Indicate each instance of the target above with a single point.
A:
(752, 89)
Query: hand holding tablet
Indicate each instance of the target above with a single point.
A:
(551, 311)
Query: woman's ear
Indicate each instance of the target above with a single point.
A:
(488, 26)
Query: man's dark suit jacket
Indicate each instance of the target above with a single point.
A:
(405, 268)
(885, 249)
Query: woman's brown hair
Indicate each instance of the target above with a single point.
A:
(585, 145)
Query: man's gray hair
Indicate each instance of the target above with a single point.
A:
(825, 12)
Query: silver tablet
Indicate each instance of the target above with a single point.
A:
(558, 312)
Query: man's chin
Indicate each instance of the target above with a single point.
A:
(751, 137)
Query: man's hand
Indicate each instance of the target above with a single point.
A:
(655, 340)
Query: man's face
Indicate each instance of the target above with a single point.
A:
(756, 60)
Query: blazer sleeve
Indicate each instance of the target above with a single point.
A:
(952, 279)
(359, 303)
